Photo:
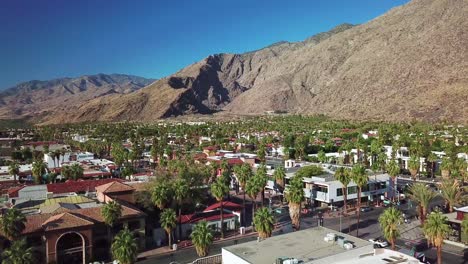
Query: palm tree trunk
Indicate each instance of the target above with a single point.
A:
(263, 197)
(243, 208)
(422, 212)
(393, 243)
(358, 211)
(345, 198)
(439, 255)
(180, 222)
(222, 220)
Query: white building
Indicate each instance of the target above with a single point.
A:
(84, 156)
(56, 162)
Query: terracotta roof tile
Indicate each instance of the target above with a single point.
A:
(113, 187)
(77, 186)
(63, 221)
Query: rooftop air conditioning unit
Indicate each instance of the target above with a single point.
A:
(348, 246)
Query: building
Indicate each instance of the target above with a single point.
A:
(323, 246)
(325, 190)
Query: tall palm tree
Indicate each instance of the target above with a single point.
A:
(262, 178)
(161, 193)
(125, 248)
(295, 196)
(389, 221)
(413, 165)
(436, 230)
(359, 176)
(423, 196)
(252, 188)
(202, 238)
(76, 171)
(13, 169)
(219, 189)
(243, 174)
(451, 192)
(280, 174)
(264, 222)
(18, 253)
(38, 169)
(432, 158)
(343, 176)
(393, 170)
(445, 167)
(181, 192)
(168, 220)
(111, 212)
(13, 223)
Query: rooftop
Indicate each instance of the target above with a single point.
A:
(292, 245)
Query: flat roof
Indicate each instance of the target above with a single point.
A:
(305, 245)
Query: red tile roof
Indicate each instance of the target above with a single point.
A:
(195, 218)
(34, 223)
(63, 221)
(78, 186)
(226, 205)
(114, 187)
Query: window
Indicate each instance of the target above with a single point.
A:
(134, 225)
(365, 188)
(322, 189)
(352, 190)
(339, 192)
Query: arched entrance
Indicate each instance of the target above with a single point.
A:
(70, 248)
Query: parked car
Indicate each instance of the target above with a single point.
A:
(366, 209)
(379, 242)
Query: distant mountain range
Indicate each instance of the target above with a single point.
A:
(408, 64)
(44, 99)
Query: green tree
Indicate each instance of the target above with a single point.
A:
(309, 171)
(322, 158)
(432, 158)
(393, 170)
(18, 253)
(161, 193)
(111, 212)
(202, 238)
(252, 188)
(261, 177)
(343, 176)
(451, 192)
(389, 221)
(181, 193)
(423, 196)
(13, 170)
(76, 171)
(264, 222)
(13, 223)
(219, 189)
(436, 230)
(413, 165)
(446, 167)
(295, 195)
(168, 220)
(279, 175)
(124, 247)
(359, 176)
(243, 174)
(38, 169)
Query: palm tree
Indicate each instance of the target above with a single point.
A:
(161, 193)
(202, 238)
(393, 170)
(38, 169)
(342, 175)
(450, 191)
(18, 253)
(76, 171)
(464, 228)
(181, 192)
(436, 230)
(219, 189)
(124, 248)
(414, 166)
(243, 174)
(262, 178)
(13, 170)
(13, 223)
(168, 220)
(280, 174)
(445, 167)
(423, 196)
(389, 221)
(264, 222)
(359, 176)
(252, 188)
(111, 212)
(432, 158)
(295, 196)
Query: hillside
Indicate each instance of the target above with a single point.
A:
(55, 97)
(409, 64)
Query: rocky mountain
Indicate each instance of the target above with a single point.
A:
(43, 99)
(408, 64)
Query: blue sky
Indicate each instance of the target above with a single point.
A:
(46, 39)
